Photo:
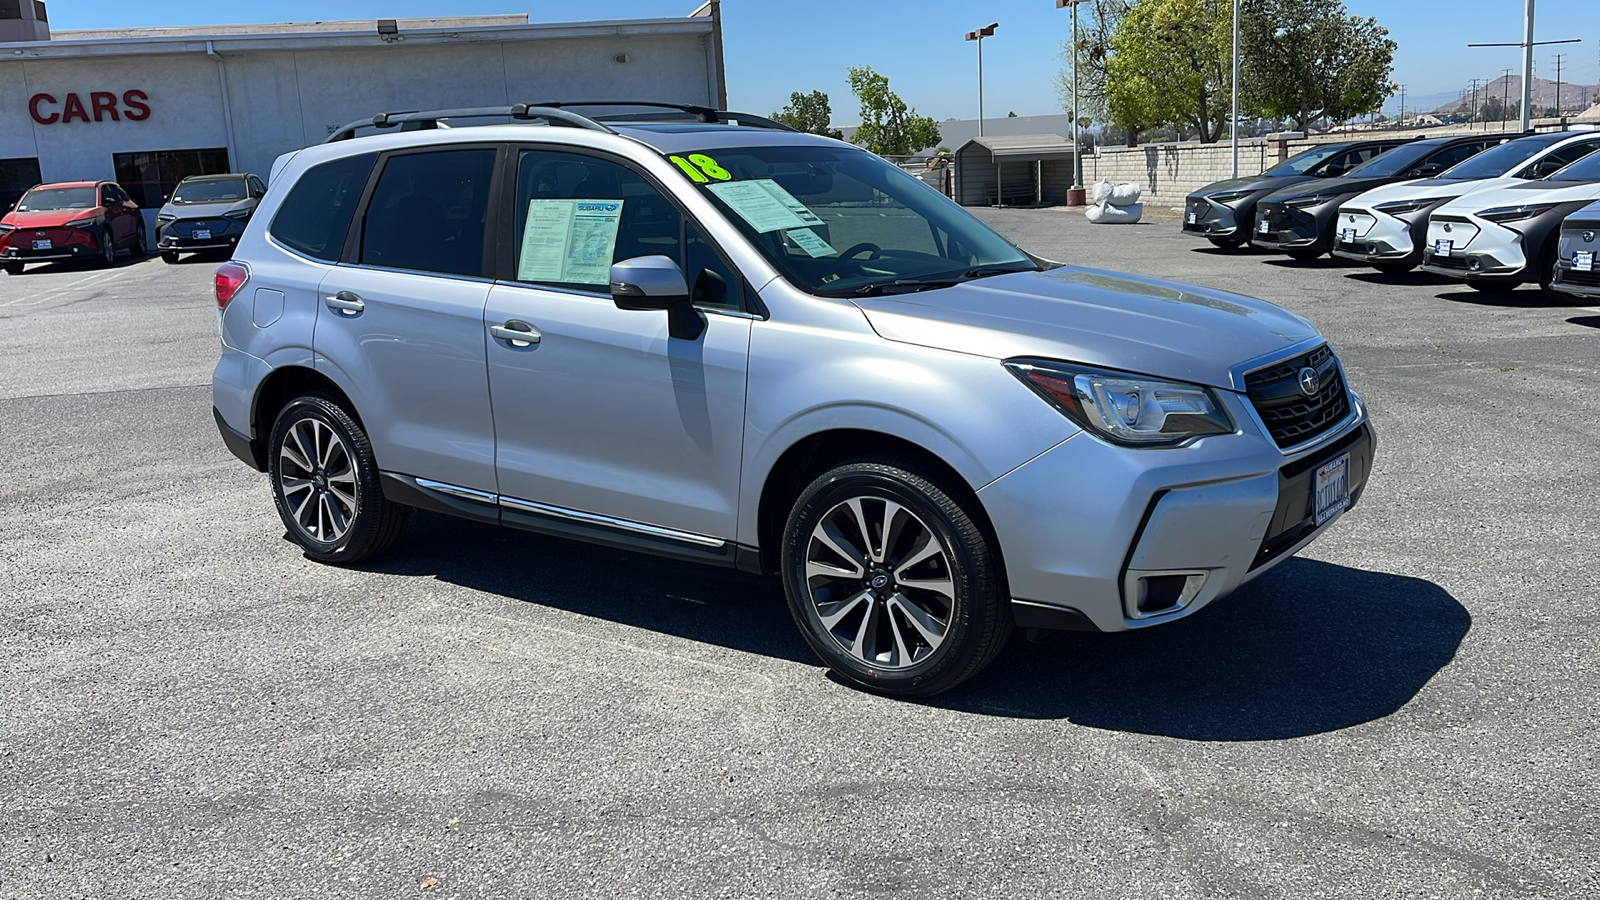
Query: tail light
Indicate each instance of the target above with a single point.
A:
(231, 277)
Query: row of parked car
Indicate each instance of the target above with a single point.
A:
(1493, 210)
(95, 220)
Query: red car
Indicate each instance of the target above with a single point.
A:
(73, 220)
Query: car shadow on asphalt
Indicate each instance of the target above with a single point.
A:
(687, 600)
(1310, 647)
(1321, 262)
(86, 266)
(1402, 279)
(1524, 297)
(1587, 321)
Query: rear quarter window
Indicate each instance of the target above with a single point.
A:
(316, 215)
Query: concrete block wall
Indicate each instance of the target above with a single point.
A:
(1169, 172)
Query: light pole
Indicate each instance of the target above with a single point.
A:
(1527, 45)
(1075, 196)
(1234, 128)
(978, 36)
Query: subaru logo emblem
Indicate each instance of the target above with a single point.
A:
(1310, 381)
(1588, 237)
(1447, 228)
(880, 581)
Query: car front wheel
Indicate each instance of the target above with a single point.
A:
(13, 268)
(891, 580)
(108, 249)
(325, 483)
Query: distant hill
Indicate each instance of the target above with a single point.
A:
(1575, 98)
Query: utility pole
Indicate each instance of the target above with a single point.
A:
(1559, 58)
(1505, 92)
(1402, 119)
(1527, 45)
(1475, 108)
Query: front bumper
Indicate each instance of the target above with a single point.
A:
(1204, 218)
(179, 235)
(64, 244)
(1094, 530)
(1375, 237)
(1579, 240)
(1279, 227)
(1474, 249)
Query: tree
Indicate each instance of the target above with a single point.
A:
(888, 126)
(809, 113)
(1098, 20)
(1177, 53)
(1309, 59)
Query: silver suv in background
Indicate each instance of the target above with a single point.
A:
(699, 334)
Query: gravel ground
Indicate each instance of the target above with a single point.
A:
(192, 709)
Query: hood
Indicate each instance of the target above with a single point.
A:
(1588, 217)
(205, 210)
(1428, 188)
(1250, 183)
(1329, 186)
(1094, 317)
(50, 218)
(1520, 193)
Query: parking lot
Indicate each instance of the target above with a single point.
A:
(192, 709)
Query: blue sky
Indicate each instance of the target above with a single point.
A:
(776, 47)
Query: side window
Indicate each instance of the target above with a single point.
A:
(256, 187)
(1448, 157)
(106, 197)
(1566, 156)
(316, 215)
(428, 211)
(1348, 160)
(575, 215)
(711, 282)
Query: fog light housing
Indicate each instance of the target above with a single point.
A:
(1147, 594)
(1475, 264)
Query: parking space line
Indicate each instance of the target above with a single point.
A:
(95, 279)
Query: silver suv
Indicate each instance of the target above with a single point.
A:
(698, 334)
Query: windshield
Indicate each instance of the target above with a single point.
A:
(1392, 163)
(210, 191)
(58, 198)
(1300, 162)
(839, 221)
(1497, 161)
(1586, 169)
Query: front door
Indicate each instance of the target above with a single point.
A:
(400, 322)
(605, 415)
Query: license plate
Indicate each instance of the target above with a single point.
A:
(1347, 236)
(1264, 226)
(1443, 246)
(201, 234)
(42, 245)
(1331, 491)
(1192, 217)
(1583, 260)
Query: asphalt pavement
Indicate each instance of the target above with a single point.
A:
(190, 708)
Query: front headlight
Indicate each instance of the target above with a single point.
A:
(1230, 197)
(1401, 207)
(7, 229)
(1124, 408)
(1503, 214)
(166, 217)
(1308, 202)
(82, 223)
(242, 215)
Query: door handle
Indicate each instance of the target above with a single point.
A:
(345, 304)
(517, 333)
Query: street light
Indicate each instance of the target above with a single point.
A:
(1075, 198)
(979, 35)
(1233, 128)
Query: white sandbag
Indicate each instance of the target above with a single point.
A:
(1106, 214)
(1125, 194)
(1100, 191)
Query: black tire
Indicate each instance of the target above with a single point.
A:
(1229, 243)
(12, 268)
(170, 257)
(141, 248)
(108, 249)
(1547, 274)
(896, 657)
(343, 480)
(1304, 255)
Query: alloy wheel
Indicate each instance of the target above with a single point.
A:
(881, 582)
(317, 477)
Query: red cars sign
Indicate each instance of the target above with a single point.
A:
(47, 110)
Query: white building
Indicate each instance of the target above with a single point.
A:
(147, 107)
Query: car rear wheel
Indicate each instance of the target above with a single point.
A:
(891, 581)
(325, 483)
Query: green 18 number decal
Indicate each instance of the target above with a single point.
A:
(701, 168)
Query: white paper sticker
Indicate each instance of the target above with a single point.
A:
(569, 241)
(765, 205)
(810, 243)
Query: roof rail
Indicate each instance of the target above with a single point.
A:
(705, 114)
(425, 120)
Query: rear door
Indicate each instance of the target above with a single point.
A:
(607, 419)
(400, 324)
(1447, 157)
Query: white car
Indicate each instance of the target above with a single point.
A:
(1387, 226)
(1496, 240)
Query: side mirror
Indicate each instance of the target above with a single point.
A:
(1429, 170)
(656, 283)
(257, 195)
(1334, 171)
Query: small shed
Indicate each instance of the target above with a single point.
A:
(1013, 169)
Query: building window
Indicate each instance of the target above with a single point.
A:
(16, 176)
(38, 11)
(10, 9)
(149, 177)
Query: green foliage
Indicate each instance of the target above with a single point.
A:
(1170, 60)
(1309, 59)
(1098, 20)
(809, 113)
(888, 126)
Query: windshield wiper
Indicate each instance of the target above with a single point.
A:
(912, 285)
